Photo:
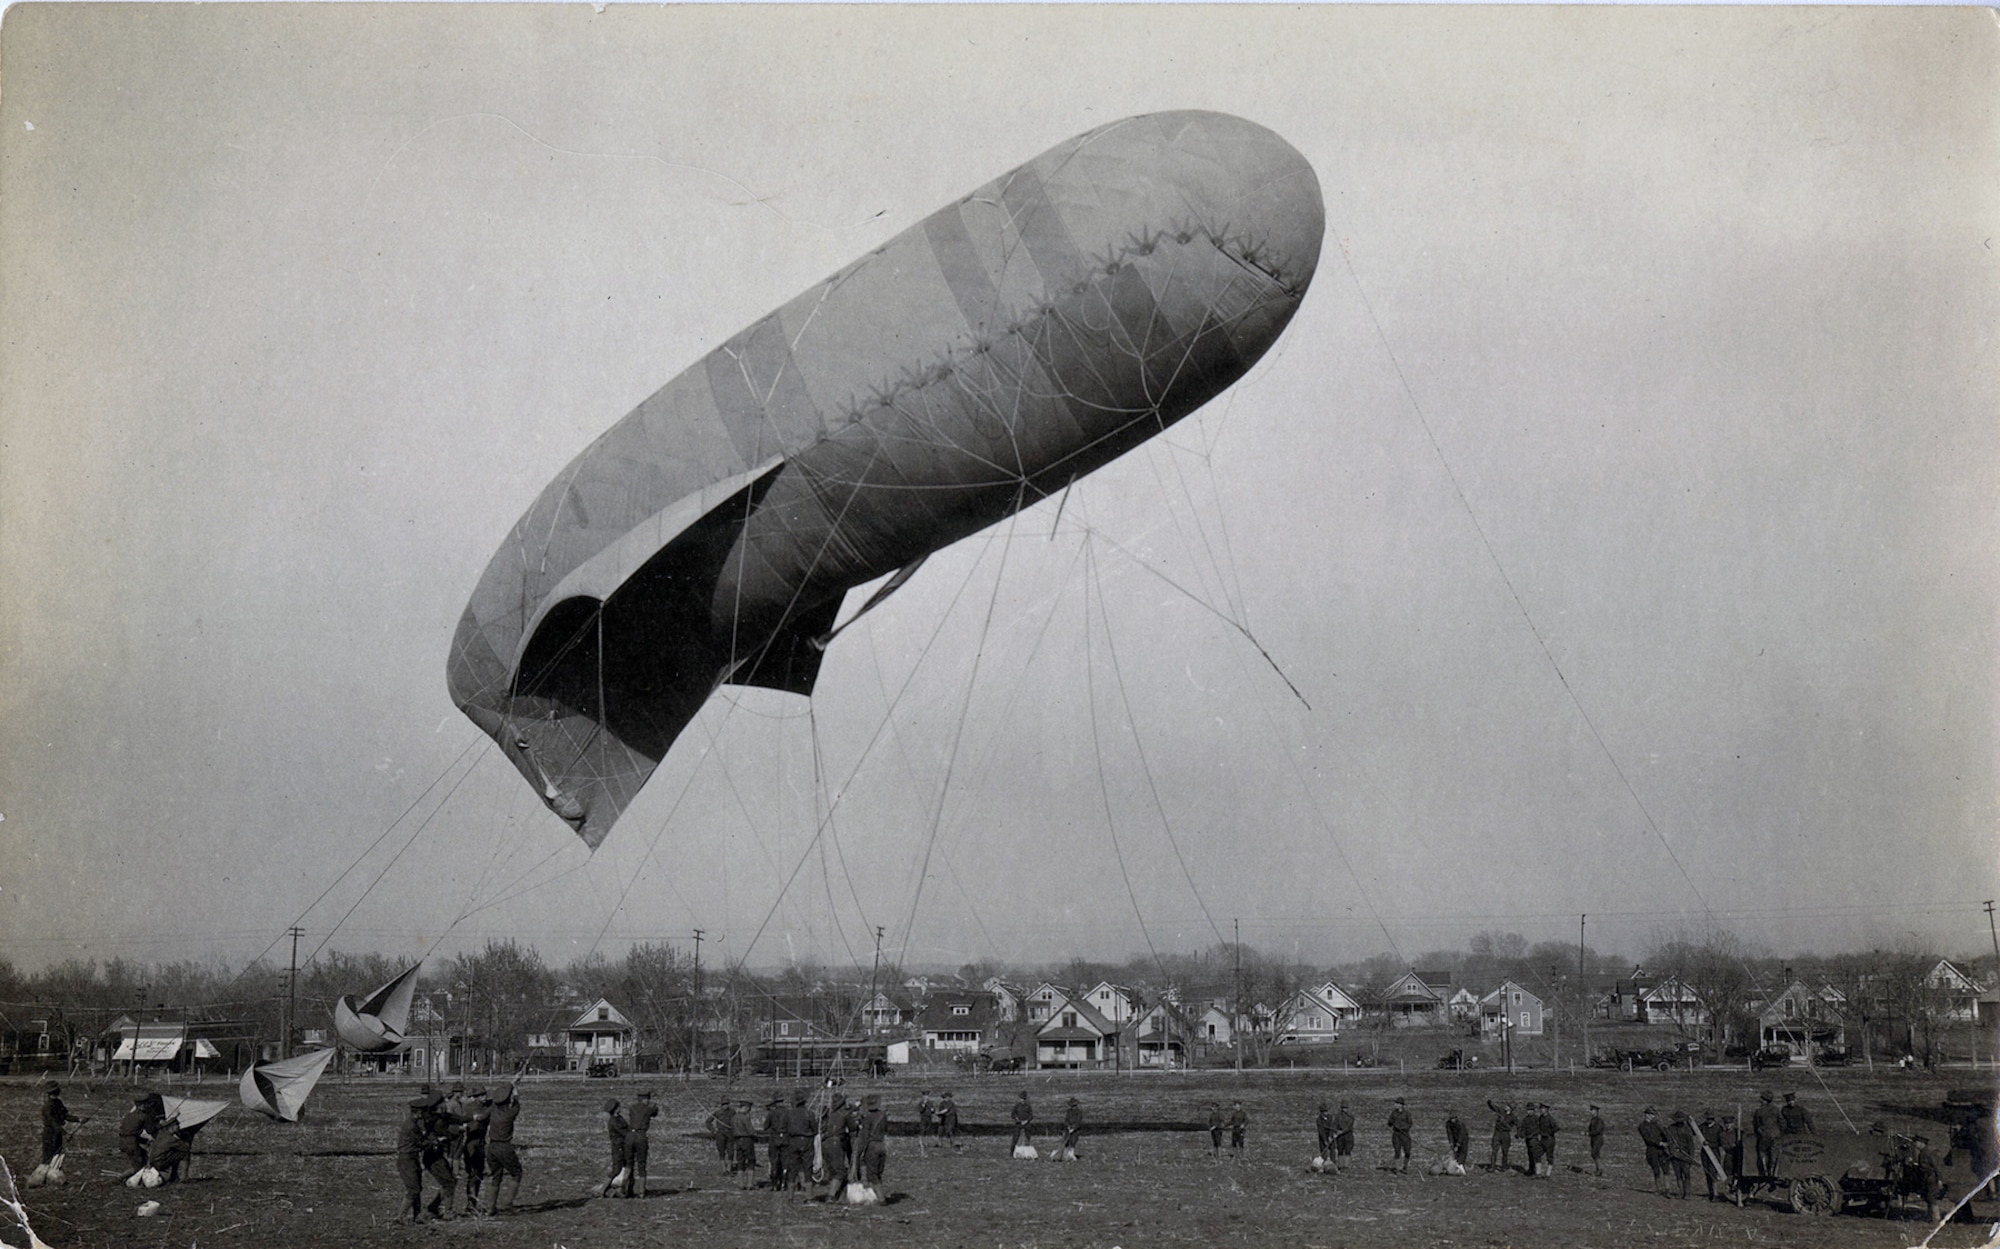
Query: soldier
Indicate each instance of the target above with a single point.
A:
(1399, 1137)
(1238, 1124)
(1023, 1116)
(1549, 1128)
(136, 1130)
(1654, 1133)
(472, 1147)
(441, 1141)
(836, 1138)
(1215, 1129)
(717, 1125)
(948, 1120)
(743, 1143)
(1529, 1129)
(801, 1124)
(926, 1117)
(1595, 1131)
(172, 1147)
(871, 1139)
(1458, 1138)
(1504, 1120)
(617, 1132)
(1682, 1146)
(1323, 1125)
(1710, 1128)
(1794, 1119)
(773, 1132)
(55, 1119)
(1072, 1129)
(1922, 1166)
(1343, 1132)
(1766, 1126)
(638, 1145)
(410, 1136)
(503, 1161)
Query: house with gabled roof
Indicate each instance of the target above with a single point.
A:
(1075, 1036)
(1007, 998)
(1801, 1019)
(957, 1021)
(885, 1011)
(1114, 1002)
(600, 1033)
(1414, 998)
(1315, 1016)
(1462, 1006)
(1511, 1006)
(1670, 1000)
(1962, 989)
(1044, 1001)
(1160, 1036)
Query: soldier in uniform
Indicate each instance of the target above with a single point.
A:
(1793, 1118)
(743, 1143)
(717, 1124)
(800, 1124)
(1922, 1165)
(478, 1114)
(926, 1118)
(442, 1137)
(773, 1132)
(638, 1144)
(1529, 1129)
(1072, 1129)
(1502, 1145)
(617, 1131)
(1682, 1145)
(1023, 1116)
(1710, 1128)
(948, 1120)
(1343, 1132)
(55, 1120)
(836, 1138)
(1399, 1137)
(1654, 1134)
(1323, 1126)
(1215, 1129)
(503, 1161)
(1238, 1124)
(1766, 1125)
(136, 1130)
(1595, 1131)
(871, 1139)
(410, 1136)
(1549, 1128)
(1458, 1138)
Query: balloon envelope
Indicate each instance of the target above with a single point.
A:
(375, 1024)
(987, 356)
(279, 1089)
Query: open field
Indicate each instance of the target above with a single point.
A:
(331, 1181)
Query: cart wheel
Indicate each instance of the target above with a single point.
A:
(1815, 1194)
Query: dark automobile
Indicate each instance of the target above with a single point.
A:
(1458, 1060)
(1773, 1057)
(601, 1069)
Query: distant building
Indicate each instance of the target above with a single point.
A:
(957, 1021)
(1315, 1016)
(1076, 1035)
(1414, 998)
(1802, 1020)
(1511, 1006)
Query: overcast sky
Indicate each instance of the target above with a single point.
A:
(1621, 501)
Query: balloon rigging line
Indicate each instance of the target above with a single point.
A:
(833, 833)
(1103, 785)
(346, 872)
(1198, 601)
(1145, 767)
(881, 728)
(1583, 713)
(958, 735)
(411, 841)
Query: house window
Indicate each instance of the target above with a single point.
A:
(961, 1010)
(1069, 1019)
(604, 1014)
(1524, 1019)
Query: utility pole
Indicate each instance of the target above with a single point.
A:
(1582, 993)
(694, 1011)
(1995, 934)
(1236, 989)
(291, 995)
(872, 973)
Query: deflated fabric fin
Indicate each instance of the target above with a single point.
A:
(791, 662)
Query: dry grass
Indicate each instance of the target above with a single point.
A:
(331, 1181)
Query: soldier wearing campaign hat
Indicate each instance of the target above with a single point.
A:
(1399, 1136)
(503, 1162)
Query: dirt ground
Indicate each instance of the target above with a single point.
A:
(331, 1180)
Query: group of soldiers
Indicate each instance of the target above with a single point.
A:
(837, 1144)
(472, 1130)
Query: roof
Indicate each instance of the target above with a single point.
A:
(1089, 1022)
(937, 1014)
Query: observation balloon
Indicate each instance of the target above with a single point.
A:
(987, 356)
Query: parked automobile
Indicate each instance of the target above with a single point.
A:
(1458, 1060)
(1770, 1057)
(600, 1069)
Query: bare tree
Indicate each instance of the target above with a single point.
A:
(1715, 964)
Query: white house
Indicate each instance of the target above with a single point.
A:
(1315, 1016)
(600, 1033)
(1075, 1036)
